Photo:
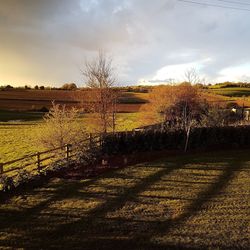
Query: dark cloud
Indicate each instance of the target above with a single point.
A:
(47, 41)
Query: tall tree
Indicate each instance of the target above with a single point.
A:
(191, 76)
(100, 79)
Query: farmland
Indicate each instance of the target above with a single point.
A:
(24, 100)
(19, 117)
(231, 92)
(185, 202)
(18, 137)
(239, 95)
(128, 101)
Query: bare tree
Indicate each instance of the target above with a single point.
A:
(100, 79)
(60, 127)
(191, 76)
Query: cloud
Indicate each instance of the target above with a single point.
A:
(47, 41)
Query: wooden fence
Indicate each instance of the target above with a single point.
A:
(130, 142)
(41, 160)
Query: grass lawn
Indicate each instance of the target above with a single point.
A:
(17, 138)
(199, 201)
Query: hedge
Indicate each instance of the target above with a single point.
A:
(200, 138)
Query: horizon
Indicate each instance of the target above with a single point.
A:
(82, 86)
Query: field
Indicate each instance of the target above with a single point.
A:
(128, 102)
(239, 95)
(18, 137)
(231, 92)
(18, 126)
(18, 123)
(24, 100)
(17, 140)
(13, 116)
(199, 201)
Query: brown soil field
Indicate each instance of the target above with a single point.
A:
(26, 100)
(36, 99)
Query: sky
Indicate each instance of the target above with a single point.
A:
(46, 42)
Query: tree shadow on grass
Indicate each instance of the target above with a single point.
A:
(197, 205)
(95, 229)
(20, 220)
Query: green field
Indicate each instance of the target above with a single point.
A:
(231, 92)
(17, 138)
(199, 201)
(6, 115)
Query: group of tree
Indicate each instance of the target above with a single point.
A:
(177, 106)
(61, 124)
(69, 86)
(66, 86)
(6, 87)
(25, 87)
(184, 106)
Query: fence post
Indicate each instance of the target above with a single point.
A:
(67, 152)
(38, 161)
(1, 168)
(90, 141)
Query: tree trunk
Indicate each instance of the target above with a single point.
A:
(187, 139)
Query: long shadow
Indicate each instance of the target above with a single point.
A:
(111, 204)
(79, 234)
(144, 241)
(196, 205)
(61, 191)
(205, 196)
(114, 203)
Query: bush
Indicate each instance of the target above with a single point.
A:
(6, 183)
(200, 138)
(61, 126)
(23, 177)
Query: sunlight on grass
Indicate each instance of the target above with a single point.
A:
(19, 138)
(196, 201)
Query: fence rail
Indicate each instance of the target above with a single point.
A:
(40, 160)
(127, 142)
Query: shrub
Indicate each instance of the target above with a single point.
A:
(200, 138)
(60, 127)
(23, 177)
(6, 183)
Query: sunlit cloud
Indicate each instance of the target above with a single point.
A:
(235, 73)
(46, 42)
